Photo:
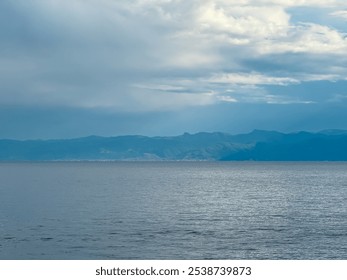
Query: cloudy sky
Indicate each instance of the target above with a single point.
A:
(73, 68)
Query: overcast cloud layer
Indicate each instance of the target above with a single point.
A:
(165, 67)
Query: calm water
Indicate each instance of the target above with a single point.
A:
(173, 210)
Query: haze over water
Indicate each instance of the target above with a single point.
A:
(173, 210)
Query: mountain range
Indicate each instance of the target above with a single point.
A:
(258, 145)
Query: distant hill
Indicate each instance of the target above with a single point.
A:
(258, 145)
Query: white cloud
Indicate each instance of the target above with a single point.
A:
(160, 87)
(226, 98)
(308, 38)
(295, 3)
(203, 28)
(250, 79)
(340, 14)
(246, 21)
(322, 77)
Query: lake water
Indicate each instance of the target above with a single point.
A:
(173, 210)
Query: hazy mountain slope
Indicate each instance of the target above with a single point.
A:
(257, 145)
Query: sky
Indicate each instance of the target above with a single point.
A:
(73, 68)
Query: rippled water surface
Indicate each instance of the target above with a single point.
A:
(173, 210)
